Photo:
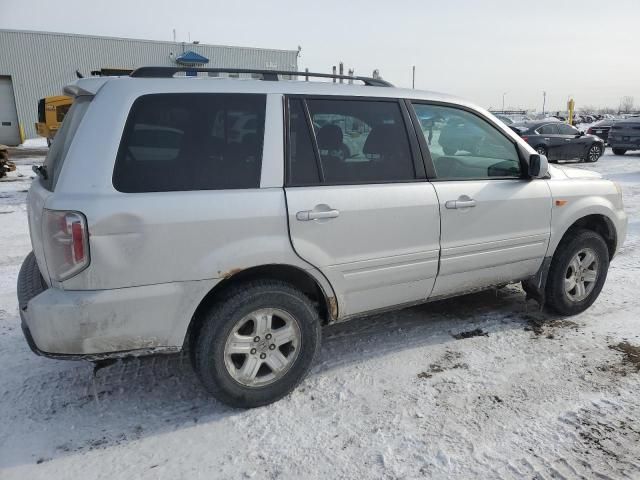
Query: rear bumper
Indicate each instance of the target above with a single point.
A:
(625, 145)
(111, 323)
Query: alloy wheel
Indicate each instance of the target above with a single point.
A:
(581, 275)
(262, 347)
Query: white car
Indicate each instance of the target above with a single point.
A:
(157, 227)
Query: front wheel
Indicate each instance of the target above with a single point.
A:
(257, 344)
(577, 273)
(594, 153)
(619, 151)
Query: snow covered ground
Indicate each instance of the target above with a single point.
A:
(399, 395)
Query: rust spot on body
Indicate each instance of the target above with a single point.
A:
(231, 273)
(333, 307)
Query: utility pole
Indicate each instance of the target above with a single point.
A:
(503, 95)
(544, 100)
(413, 80)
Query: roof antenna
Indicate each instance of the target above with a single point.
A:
(78, 74)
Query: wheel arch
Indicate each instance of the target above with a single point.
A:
(305, 280)
(596, 222)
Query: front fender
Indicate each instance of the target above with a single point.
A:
(602, 200)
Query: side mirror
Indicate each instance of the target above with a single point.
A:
(538, 166)
(580, 134)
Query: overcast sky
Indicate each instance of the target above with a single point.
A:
(476, 49)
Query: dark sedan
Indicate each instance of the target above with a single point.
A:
(625, 135)
(560, 141)
(601, 129)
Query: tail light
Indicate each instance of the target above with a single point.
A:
(525, 138)
(590, 131)
(66, 243)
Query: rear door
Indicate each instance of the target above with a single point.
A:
(360, 208)
(495, 223)
(551, 138)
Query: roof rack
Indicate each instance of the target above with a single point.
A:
(269, 75)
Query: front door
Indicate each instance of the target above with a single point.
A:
(495, 224)
(360, 209)
(574, 144)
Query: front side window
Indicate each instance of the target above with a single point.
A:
(463, 146)
(356, 141)
(565, 129)
(194, 141)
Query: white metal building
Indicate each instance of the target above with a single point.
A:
(34, 65)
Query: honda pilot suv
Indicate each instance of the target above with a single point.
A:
(233, 218)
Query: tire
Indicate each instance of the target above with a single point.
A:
(619, 151)
(562, 268)
(221, 372)
(30, 281)
(594, 153)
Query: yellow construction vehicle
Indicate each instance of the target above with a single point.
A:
(51, 112)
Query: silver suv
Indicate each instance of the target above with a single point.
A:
(233, 218)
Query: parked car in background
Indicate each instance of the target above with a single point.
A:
(560, 141)
(504, 119)
(624, 135)
(601, 129)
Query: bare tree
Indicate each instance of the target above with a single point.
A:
(626, 104)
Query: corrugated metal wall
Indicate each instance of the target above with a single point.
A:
(40, 63)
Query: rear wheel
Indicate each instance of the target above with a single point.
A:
(577, 273)
(594, 153)
(257, 344)
(619, 151)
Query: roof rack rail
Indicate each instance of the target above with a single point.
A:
(272, 75)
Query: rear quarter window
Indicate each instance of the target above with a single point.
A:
(183, 142)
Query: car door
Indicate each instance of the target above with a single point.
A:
(551, 138)
(495, 224)
(360, 208)
(573, 144)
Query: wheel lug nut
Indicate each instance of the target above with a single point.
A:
(272, 347)
(253, 351)
(256, 339)
(263, 356)
(268, 336)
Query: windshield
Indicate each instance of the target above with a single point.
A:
(62, 141)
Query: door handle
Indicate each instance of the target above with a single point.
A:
(306, 215)
(454, 204)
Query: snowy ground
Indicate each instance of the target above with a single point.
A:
(391, 396)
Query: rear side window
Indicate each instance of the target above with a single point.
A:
(548, 130)
(182, 142)
(353, 142)
(62, 141)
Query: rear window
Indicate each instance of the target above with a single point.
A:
(62, 141)
(181, 142)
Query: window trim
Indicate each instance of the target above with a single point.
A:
(416, 158)
(428, 160)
